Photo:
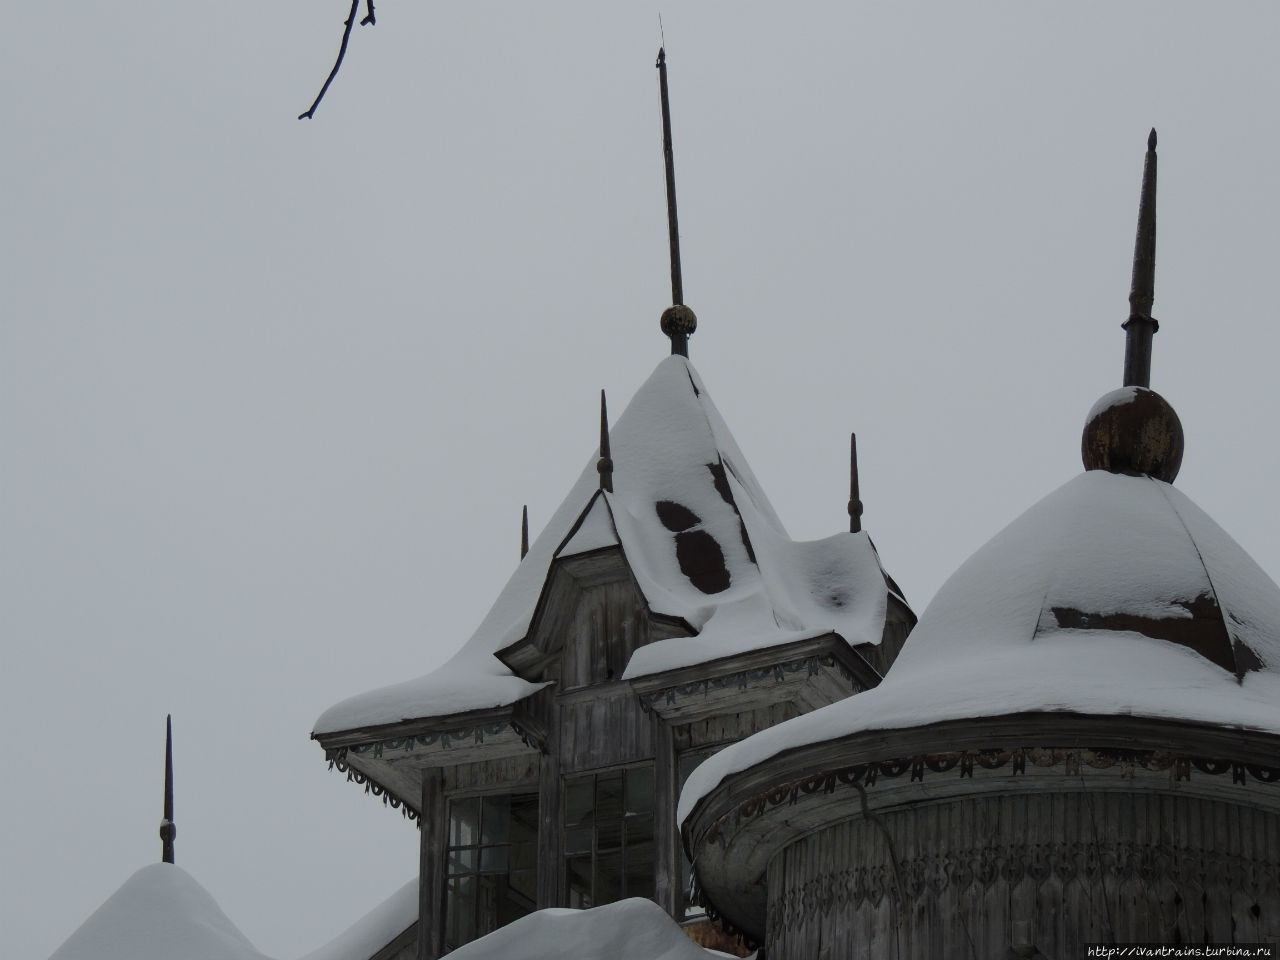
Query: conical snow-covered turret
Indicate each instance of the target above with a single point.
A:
(160, 913)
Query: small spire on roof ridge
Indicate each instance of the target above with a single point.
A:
(855, 504)
(1141, 326)
(605, 464)
(678, 320)
(168, 831)
(524, 532)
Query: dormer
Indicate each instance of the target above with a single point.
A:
(591, 615)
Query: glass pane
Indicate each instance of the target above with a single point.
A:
(524, 889)
(487, 905)
(493, 859)
(464, 819)
(460, 910)
(462, 861)
(639, 873)
(609, 812)
(524, 856)
(578, 882)
(577, 840)
(512, 903)
(609, 877)
(524, 817)
(639, 790)
(495, 820)
(578, 801)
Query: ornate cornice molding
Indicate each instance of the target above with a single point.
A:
(744, 679)
(1071, 762)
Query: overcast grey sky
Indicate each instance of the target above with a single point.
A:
(272, 392)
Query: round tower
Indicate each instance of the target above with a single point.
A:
(1079, 743)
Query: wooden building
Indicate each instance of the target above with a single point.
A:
(1080, 742)
(662, 614)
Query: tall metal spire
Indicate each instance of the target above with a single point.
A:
(1134, 430)
(678, 321)
(855, 504)
(1141, 326)
(605, 464)
(168, 831)
(524, 532)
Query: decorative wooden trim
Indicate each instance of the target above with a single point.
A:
(737, 828)
(866, 775)
(338, 761)
(452, 724)
(764, 667)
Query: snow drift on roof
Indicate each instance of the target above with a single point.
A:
(701, 540)
(160, 913)
(627, 930)
(375, 929)
(1075, 606)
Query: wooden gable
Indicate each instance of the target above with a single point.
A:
(590, 618)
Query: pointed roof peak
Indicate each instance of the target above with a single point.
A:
(168, 831)
(605, 464)
(855, 502)
(678, 321)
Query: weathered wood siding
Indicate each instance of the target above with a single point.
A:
(607, 729)
(608, 625)
(509, 775)
(979, 877)
(731, 727)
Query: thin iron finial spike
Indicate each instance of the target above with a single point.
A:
(168, 831)
(1141, 326)
(524, 532)
(855, 503)
(668, 156)
(678, 321)
(605, 464)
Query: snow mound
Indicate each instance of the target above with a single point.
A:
(702, 541)
(160, 913)
(375, 929)
(627, 930)
(1081, 605)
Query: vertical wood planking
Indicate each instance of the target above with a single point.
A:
(550, 882)
(433, 826)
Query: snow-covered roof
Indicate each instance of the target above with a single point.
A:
(160, 913)
(1114, 595)
(702, 541)
(375, 929)
(632, 929)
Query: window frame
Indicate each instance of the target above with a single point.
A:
(464, 861)
(634, 831)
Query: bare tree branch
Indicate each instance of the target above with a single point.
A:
(342, 52)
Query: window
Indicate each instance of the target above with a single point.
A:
(491, 865)
(684, 766)
(608, 836)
